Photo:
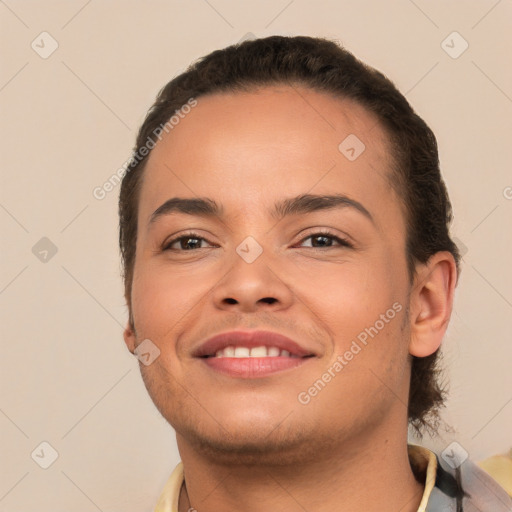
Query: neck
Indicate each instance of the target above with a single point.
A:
(367, 473)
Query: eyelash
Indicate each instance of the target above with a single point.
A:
(343, 242)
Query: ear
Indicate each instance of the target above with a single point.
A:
(129, 336)
(129, 333)
(431, 303)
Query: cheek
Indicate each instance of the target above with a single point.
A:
(350, 296)
(161, 298)
(160, 301)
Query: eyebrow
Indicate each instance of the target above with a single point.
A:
(303, 204)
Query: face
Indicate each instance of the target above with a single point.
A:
(327, 273)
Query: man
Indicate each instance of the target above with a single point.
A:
(290, 276)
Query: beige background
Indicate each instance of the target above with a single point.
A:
(69, 122)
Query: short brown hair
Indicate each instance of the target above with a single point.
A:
(323, 66)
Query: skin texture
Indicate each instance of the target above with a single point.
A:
(249, 444)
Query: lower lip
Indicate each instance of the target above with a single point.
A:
(253, 367)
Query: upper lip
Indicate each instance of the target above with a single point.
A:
(250, 339)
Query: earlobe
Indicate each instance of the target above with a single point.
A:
(431, 303)
(129, 335)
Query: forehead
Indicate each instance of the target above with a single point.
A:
(249, 148)
(304, 115)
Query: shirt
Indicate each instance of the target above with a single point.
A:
(466, 488)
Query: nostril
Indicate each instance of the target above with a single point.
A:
(268, 300)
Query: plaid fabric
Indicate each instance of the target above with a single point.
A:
(466, 489)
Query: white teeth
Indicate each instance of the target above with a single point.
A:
(229, 352)
(273, 351)
(242, 352)
(261, 351)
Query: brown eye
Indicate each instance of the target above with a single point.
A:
(319, 240)
(185, 243)
(190, 243)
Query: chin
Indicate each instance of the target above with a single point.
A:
(249, 442)
(248, 449)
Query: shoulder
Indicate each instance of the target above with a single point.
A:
(465, 487)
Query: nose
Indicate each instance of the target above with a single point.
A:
(251, 287)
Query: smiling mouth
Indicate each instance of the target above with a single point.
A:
(253, 362)
(253, 352)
